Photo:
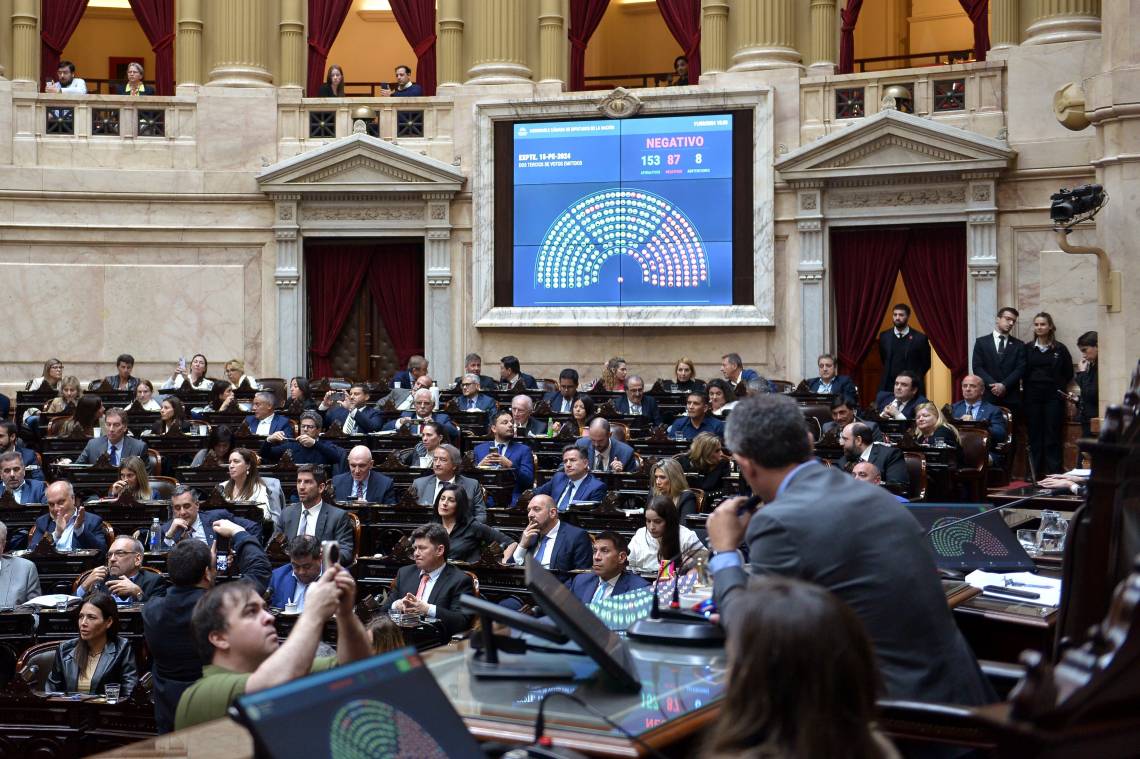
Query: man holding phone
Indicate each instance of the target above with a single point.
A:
(405, 87)
(432, 587)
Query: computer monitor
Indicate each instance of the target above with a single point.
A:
(984, 542)
(384, 706)
(598, 642)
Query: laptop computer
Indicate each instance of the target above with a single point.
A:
(984, 542)
(385, 706)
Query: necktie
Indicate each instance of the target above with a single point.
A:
(423, 584)
(567, 496)
(304, 522)
(634, 409)
(565, 406)
(115, 455)
(599, 463)
(502, 450)
(360, 491)
(973, 411)
(600, 593)
(541, 548)
(1001, 346)
(350, 423)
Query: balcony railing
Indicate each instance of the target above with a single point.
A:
(418, 121)
(51, 116)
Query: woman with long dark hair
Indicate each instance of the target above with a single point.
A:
(171, 417)
(220, 440)
(466, 537)
(1048, 372)
(88, 412)
(98, 657)
(333, 86)
(662, 539)
(300, 396)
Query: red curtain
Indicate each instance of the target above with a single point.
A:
(979, 13)
(864, 266)
(396, 281)
(585, 15)
(156, 17)
(58, 19)
(683, 17)
(934, 274)
(325, 20)
(849, 16)
(417, 21)
(334, 273)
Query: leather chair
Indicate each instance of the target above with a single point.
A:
(164, 485)
(700, 495)
(916, 471)
(34, 665)
(154, 460)
(355, 520)
(974, 471)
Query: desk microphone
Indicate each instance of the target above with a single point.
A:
(995, 509)
(672, 625)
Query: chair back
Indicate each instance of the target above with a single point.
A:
(34, 665)
(154, 461)
(164, 486)
(355, 520)
(916, 472)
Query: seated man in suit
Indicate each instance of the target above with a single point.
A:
(636, 403)
(473, 364)
(562, 400)
(431, 587)
(603, 452)
(843, 414)
(308, 448)
(610, 576)
(19, 578)
(431, 437)
(312, 516)
(504, 453)
(858, 446)
(15, 482)
(189, 522)
(123, 578)
(353, 414)
(525, 425)
(556, 545)
(445, 470)
(574, 484)
(972, 407)
(696, 419)
(869, 473)
(511, 373)
(732, 367)
(360, 483)
(289, 582)
(70, 528)
(264, 421)
(10, 442)
(423, 403)
(470, 399)
(417, 367)
(116, 444)
(828, 382)
(902, 403)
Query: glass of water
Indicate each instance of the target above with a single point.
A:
(1053, 530)
(111, 691)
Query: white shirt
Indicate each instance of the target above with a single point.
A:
(547, 552)
(77, 87)
(643, 549)
(903, 333)
(439, 484)
(178, 380)
(310, 525)
(64, 541)
(607, 588)
(997, 340)
(433, 576)
(263, 427)
(299, 593)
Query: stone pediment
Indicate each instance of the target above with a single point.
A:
(360, 164)
(892, 143)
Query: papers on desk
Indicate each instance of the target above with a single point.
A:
(1082, 473)
(1048, 589)
(51, 600)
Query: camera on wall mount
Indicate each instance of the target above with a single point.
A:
(1071, 207)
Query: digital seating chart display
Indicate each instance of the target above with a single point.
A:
(634, 212)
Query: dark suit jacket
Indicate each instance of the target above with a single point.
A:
(413, 90)
(323, 453)
(585, 585)
(912, 352)
(451, 584)
(554, 398)
(876, 433)
(860, 543)
(90, 536)
(279, 424)
(128, 446)
(28, 456)
(379, 487)
(485, 382)
(535, 426)
(649, 408)
(618, 450)
(591, 489)
(1008, 368)
(208, 518)
(174, 657)
(112, 381)
(484, 403)
(439, 416)
(572, 549)
(403, 378)
(282, 585)
(529, 382)
(332, 524)
(367, 419)
(884, 398)
(144, 89)
(987, 412)
(116, 665)
(32, 491)
(891, 463)
(424, 488)
(522, 465)
(841, 385)
(151, 583)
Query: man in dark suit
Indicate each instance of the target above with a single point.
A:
(313, 516)
(603, 453)
(432, 436)
(116, 444)
(190, 522)
(609, 577)
(13, 474)
(525, 425)
(829, 382)
(445, 470)
(70, 528)
(504, 453)
(732, 367)
(903, 349)
(562, 400)
(308, 448)
(470, 399)
(263, 420)
(557, 545)
(636, 403)
(291, 581)
(511, 373)
(353, 414)
(972, 407)
(417, 366)
(843, 414)
(123, 578)
(999, 359)
(858, 445)
(853, 539)
(431, 587)
(360, 483)
(574, 484)
(422, 403)
(473, 364)
(903, 401)
(10, 441)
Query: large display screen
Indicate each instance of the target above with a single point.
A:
(634, 212)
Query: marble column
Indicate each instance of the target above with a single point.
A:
(438, 318)
(25, 42)
(449, 46)
(292, 42)
(551, 42)
(814, 306)
(1064, 21)
(498, 42)
(5, 36)
(824, 53)
(1005, 24)
(764, 35)
(188, 47)
(714, 36)
(981, 253)
(241, 45)
(287, 275)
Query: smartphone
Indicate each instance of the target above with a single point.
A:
(338, 396)
(182, 363)
(330, 553)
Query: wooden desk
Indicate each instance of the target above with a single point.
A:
(1000, 630)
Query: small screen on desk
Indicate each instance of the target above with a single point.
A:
(985, 542)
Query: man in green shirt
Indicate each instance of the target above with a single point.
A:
(234, 632)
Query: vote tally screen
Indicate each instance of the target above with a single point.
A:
(634, 212)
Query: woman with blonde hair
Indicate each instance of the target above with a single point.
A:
(706, 458)
(930, 428)
(133, 477)
(685, 376)
(235, 373)
(667, 478)
(50, 379)
(70, 391)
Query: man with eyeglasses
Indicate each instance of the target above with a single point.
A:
(123, 578)
(422, 405)
(308, 448)
(470, 399)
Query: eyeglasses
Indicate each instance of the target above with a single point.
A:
(118, 554)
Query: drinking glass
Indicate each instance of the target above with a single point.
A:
(111, 691)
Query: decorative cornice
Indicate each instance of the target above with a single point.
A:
(367, 213)
(893, 198)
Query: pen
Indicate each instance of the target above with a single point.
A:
(1010, 591)
(748, 506)
(1018, 584)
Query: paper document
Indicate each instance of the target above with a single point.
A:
(1048, 589)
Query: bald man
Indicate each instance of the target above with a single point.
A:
(869, 473)
(360, 483)
(69, 525)
(973, 407)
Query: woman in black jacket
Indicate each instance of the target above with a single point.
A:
(98, 657)
(706, 458)
(1048, 372)
(466, 536)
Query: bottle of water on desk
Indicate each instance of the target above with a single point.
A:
(155, 530)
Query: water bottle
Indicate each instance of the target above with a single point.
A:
(550, 426)
(155, 530)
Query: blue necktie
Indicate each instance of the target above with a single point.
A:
(567, 494)
(114, 455)
(541, 547)
(600, 593)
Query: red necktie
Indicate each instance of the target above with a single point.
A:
(423, 585)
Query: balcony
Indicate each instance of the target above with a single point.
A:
(420, 124)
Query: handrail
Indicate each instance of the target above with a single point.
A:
(963, 56)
